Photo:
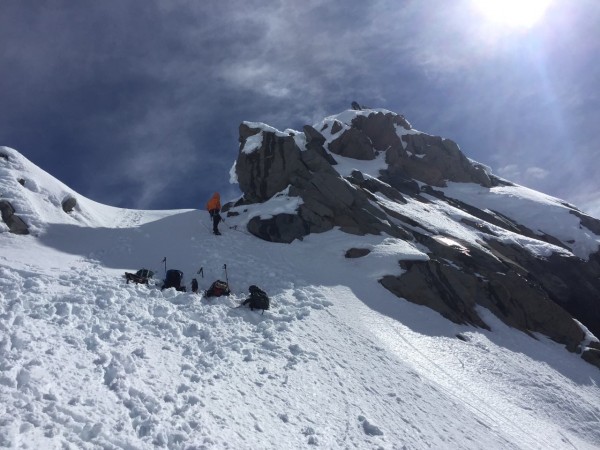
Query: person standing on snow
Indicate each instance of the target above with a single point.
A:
(214, 207)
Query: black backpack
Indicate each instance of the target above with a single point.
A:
(217, 289)
(258, 299)
(173, 280)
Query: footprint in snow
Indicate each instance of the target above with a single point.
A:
(311, 434)
(369, 428)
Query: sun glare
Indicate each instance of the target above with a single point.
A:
(514, 13)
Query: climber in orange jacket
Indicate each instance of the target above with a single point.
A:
(214, 208)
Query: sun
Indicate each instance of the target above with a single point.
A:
(513, 13)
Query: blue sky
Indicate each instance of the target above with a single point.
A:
(138, 103)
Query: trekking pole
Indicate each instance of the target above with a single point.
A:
(201, 271)
(226, 277)
(165, 261)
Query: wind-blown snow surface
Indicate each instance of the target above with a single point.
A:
(88, 361)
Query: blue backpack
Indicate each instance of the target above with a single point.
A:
(173, 279)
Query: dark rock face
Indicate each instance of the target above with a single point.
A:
(434, 160)
(368, 135)
(429, 159)
(589, 222)
(525, 292)
(592, 354)
(454, 293)
(328, 200)
(15, 224)
(570, 282)
(381, 129)
(268, 170)
(315, 157)
(353, 143)
(68, 204)
(281, 228)
(532, 294)
(357, 252)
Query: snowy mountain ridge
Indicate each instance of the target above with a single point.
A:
(536, 210)
(531, 259)
(88, 361)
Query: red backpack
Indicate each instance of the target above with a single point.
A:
(217, 289)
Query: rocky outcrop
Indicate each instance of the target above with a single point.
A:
(369, 135)
(281, 228)
(328, 200)
(531, 294)
(357, 252)
(381, 129)
(434, 160)
(69, 204)
(455, 293)
(570, 282)
(353, 143)
(269, 169)
(525, 291)
(314, 146)
(419, 156)
(457, 278)
(592, 354)
(15, 224)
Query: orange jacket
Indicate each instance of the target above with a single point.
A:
(214, 202)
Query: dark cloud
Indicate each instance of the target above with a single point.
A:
(137, 103)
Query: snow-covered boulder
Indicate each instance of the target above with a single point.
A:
(14, 223)
(69, 204)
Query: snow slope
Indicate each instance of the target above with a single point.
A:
(38, 197)
(540, 212)
(88, 361)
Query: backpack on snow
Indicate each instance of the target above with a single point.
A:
(258, 299)
(141, 276)
(173, 280)
(217, 289)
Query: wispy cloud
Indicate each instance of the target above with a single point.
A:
(536, 172)
(152, 92)
(521, 175)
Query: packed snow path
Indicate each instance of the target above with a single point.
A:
(87, 361)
